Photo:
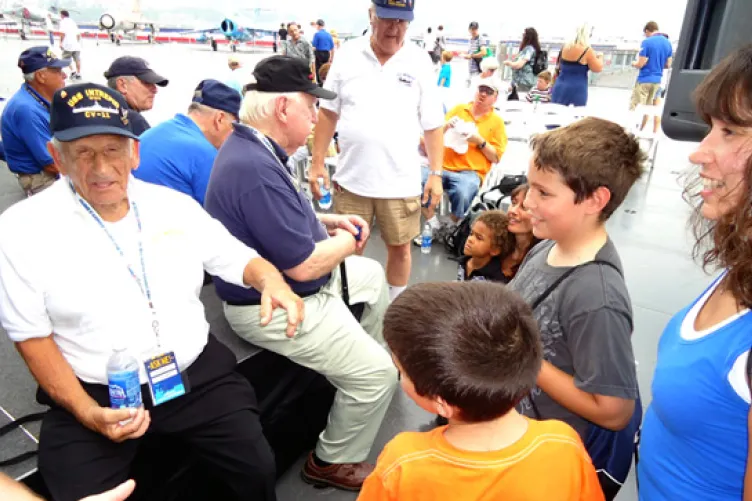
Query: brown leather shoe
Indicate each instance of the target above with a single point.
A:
(347, 476)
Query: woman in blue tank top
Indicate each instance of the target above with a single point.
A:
(575, 60)
(695, 432)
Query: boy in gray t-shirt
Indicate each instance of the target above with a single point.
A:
(579, 176)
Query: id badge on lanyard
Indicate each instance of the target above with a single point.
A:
(165, 380)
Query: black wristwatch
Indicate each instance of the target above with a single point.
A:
(482, 145)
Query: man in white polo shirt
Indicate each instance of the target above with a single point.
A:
(70, 42)
(126, 274)
(387, 96)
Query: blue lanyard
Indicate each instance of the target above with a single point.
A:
(37, 97)
(268, 145)
(143, 285)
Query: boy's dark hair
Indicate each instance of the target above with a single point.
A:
(498, 223)
(474, 344)
(651, 27)
(64, 13)
(591, 153)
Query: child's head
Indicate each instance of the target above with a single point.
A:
(579, 175)
(468, 351)
(544, 80)
(446, 56)
(489, 236)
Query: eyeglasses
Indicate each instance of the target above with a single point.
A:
(488, 91)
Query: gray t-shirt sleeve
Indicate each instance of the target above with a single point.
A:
(602, 355)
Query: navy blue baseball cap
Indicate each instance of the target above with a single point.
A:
(395, 9)
(88, 109)
(129, 66)
(215, 94)
(36, 58)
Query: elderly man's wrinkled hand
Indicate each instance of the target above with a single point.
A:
(278, 294)
(118, 425)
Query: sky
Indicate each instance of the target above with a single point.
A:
(619, 18)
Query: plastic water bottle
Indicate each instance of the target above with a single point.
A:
(536, 101)
(425, 240)
(123, 379)
(325, 202)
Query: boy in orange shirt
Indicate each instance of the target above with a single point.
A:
(469, 351)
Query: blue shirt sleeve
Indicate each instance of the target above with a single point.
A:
(316, 42)
(37, 139)
(644, 48)
(279, 224)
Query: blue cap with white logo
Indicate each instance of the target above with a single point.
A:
(395, 9)
(88, 109)
(36, 58)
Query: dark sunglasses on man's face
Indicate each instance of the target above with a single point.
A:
(488, 91)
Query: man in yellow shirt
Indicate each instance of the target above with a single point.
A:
(477, 142)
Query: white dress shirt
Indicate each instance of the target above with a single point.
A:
(70, 29)
(382, 112)
(61, 275)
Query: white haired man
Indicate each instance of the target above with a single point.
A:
(253, 193)
(128, 277)
(387, 95)
(26, 119)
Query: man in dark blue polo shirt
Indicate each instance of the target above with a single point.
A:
(323, 45)
(254, 194)
(137, 82)
(180, 152)
(26, 119)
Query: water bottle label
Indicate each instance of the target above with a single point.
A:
(426, 242)
(165, 380)
(125, 390)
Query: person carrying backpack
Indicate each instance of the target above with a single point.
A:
(526, 63)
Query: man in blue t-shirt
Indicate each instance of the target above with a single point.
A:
(323, 45)
(258, 199)
(655, 56)
(180, 152)
(26, 119)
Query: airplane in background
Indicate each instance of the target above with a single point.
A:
(236, 33)
(128, 24)
(28, 16)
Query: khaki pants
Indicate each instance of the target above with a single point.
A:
(643, 93)
(331, 342)
(34, 183)
(398, 218)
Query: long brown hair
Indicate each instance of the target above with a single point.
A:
(726, 94)
(530, 37)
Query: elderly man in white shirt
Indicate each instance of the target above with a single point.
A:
(126, 273)
(387, 95)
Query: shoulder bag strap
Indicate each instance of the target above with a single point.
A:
(4, 430)
(547, 293)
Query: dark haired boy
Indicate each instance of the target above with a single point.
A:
(578, 176)
(488, 241)
(471, 364)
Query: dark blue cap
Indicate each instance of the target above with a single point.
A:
(215, 94)
(88, 109)
(395, 9)
(36, 58)
(130, 66)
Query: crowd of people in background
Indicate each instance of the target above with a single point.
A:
(526, 359)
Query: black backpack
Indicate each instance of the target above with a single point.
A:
(540, 63)
(454, 242)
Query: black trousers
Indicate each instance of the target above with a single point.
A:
(218, 419)
(322, 57)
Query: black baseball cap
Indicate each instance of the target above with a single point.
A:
(129, 66)
(473, 25)
(395, 9)
(36, 58)
(286, 74)
(88, 109)
(215, 94)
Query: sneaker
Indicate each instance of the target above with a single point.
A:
(346, 476)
